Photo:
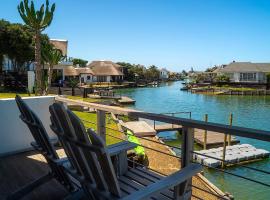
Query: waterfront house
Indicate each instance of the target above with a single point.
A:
(164, 74)
(106, 71)
(245, 72)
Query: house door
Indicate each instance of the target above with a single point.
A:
(82, 80)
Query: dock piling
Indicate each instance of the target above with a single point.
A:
(224, 150)
(230, 122)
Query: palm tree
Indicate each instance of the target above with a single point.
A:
(52, 56)
(37, 20)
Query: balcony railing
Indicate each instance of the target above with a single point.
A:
(187, 145)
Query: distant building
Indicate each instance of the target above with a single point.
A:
(106, 71)
(96, 71)
(164, 73)
(245, 72)
(60, 44)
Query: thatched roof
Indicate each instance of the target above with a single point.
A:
(105, 68)
(84, 70)
(70, 71)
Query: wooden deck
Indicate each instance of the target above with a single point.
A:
(214, 139)
(18, 170)
(167, 127)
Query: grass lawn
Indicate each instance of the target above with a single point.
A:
(12, 95)
(90, 100)
(234, 88)
(92, 117)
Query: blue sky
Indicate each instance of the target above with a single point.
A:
(168, 33)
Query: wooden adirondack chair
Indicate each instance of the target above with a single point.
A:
(98, 178)
(43, 145)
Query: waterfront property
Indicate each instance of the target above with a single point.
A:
(164, 74)
(245, 72)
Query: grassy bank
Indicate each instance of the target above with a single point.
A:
(12, 95)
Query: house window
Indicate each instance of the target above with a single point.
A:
(88, 77)
(248, 76)
(102, 78)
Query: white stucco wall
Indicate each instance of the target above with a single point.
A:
(14, 134)
(84, 76)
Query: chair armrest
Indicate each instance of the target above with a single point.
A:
(167, 182)
(120, 147)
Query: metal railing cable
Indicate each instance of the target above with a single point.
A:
(217, 169)
(230, 162)
(145, 147)
(236, 175)
(140, 138)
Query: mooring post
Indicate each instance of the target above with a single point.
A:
(224, 150)
(185, 190)
(230, 123)
(101, 124)
(172, 116)
(205, 133)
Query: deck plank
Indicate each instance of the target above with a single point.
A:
(20, 169)
(214, 139)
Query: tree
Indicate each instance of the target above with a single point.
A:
(52, 56)
(73, 83)
(221, 79)
(152, 73)
(268, 81)
(80, 62)
(37, 20)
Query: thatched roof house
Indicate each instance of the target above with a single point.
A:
(105, 68)
(106, 71)
(97, 71)
(70, 71)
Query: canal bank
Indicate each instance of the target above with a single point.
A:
(249, 111)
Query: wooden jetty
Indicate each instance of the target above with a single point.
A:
(126, 100)
(167, 127)
(139, 128)
(214, 139)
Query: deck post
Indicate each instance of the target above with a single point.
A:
(101, 124)
(186, 158)
(205, 133)
(230, 136)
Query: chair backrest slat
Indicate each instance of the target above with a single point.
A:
(43, 142)
(36, 128)
(65, 129)
(99, 163)
(90, 157)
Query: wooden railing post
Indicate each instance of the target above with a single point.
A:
(101, 124)
(205, 133)
(187, 147)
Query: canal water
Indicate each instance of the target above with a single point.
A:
(248, 111)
